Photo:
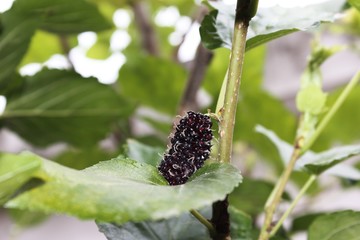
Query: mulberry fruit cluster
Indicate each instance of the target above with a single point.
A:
(190, 147)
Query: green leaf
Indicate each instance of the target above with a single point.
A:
(251, 195)
(320, 162)
(317, 163)
(302, 223)
(355, 3)
(343, 127)
(14, 41)
(58, 105)
(82, 158)
(62, 16)
(153, 82)
(336, 226)
(20, 22)
(122, 190)
(143, 153)
(14, 172)
(269, 23)
(254, 108)
(184, 227)
(252, 71)
(240, 225)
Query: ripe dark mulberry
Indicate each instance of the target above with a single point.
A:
(189, 148)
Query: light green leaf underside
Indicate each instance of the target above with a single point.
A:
(268, 24)
(317, 163)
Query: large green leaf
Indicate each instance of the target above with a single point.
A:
(184, 227)
(153, 82)
(14, 40)
(58, 105)
(122, 190)
(62, 16)
(317, 163)
(343, 225)
(20, 22)
(14, 172)
(269, 23)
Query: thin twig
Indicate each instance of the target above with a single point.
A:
(303, 190)
(269, 210)
(199, 14)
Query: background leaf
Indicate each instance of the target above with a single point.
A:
(62, 16)
(336, 226)
(303, 222)
(355, 3)
(83, 158)
(14, 41)
(343, 126)
(122, 190)
(269, 23)
(144, 153)
(57, 105)
(153, 82)
(240, 225)
(184, 227)
(251, 195)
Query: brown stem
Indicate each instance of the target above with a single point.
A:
(143, 21)
(198, 16)
(64, 43)
(196, 76)
(221, 220)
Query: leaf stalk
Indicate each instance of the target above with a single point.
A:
(204, 221)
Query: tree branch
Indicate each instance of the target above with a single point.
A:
(196, 76)
(143, 21)
(64, 43)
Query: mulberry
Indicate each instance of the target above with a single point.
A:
(189, 148)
